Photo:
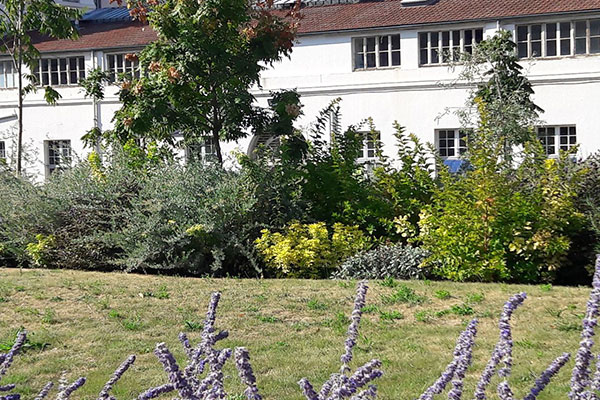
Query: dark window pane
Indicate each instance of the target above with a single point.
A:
(383, 43)
(565, 47)
(423, 56)
(450, 134)
(54, 78)
(564, 131)
(383, 59)
(536, 49)
(395, 42)
(595, 45)
(423, 40)
(81, 63)
(565, 30)
(456, 38)
(63, 78)
(54, 64)
(358, 48)
(396, 58)
(468, 37)
(435, 57)
(435, 39)
(572, 130)
(522, 33)
(443, 153)
(45, 79)
(73, 63)
(63, 64)
(564, 140)
(446, 38)
(370, 45)
(536, 32)
(73, 76)
(523, 50)
(595, 27)
(550, 31)
(580, 28)
(551, 48)
(550, 131)
(371, 60)
(572, 140)
(478, 35)
(580, 46)
(451, 152)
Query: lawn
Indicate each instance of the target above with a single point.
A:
(86, 323)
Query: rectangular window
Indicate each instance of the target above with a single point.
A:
(377, 52)
(2, 152)
(60, 71)
(124, 64)
(203, 150)
(8, 75)
(443, 47)
(559, 38)
(451, 143)
(555, 139)
(371, 143)
(58, 155)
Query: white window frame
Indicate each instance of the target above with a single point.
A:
(361, 49)
(61, 146)
(134, 68)
(560, 38)
(557, 136)
(371, 143)
(454, 49)
(457, 148)
(204, 151)
(2, 151)
(6, 77)
(72, 75)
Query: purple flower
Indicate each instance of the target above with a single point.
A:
(547, 375)
(156, 391)
(44, 392)
(65, 390)
(308, 390)
(352, 335)
(242, 362)
(580, 378)
(175, 376)
(115, 377)
(7, 358)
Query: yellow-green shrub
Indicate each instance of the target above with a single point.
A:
(309, 250)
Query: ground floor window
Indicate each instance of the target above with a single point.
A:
(557, 138)
(370, 145)
(2, 151)
(58, 155)
(451, 143)
(8, 75)
(201, 150)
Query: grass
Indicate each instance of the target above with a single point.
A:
(86, 323)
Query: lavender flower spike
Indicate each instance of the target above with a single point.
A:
(352, 335)
(156, 391)
(308, 390)
(242, 362)
(502, 350)
(547, 375)
(66, 391)
(115, 377)
(580, 378)
(8, 357)
(463, 361)
(44, 392)
(172, 369)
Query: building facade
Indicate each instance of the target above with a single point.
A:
(388, 60)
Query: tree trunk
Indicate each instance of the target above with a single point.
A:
(20, 111)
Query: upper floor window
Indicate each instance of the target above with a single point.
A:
(370, 146)
(58, 155)
(2, 151)
(559, 39)
(451, 143)
(122, 64)
(60, 71)
(557, 138)
(377, 51)
(8, 75)
(446, 46)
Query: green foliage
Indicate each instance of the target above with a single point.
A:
(390, 315)
(442, 294)
(199, 72)
(309, 250)
(404, 294)
(384, 262)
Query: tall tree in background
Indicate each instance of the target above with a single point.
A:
(19, 18)
(199, 73)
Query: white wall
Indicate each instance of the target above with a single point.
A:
(321, 69)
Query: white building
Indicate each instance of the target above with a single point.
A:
(381, 57)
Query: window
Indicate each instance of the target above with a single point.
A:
(371, 144)
(557, 138)
(451, 143)
(8, 75)
(117, 64)
(58, 155)
(2, 152)
(443, 47)
(377, 51)
(559, 39)
(60, 71)
(202, 150)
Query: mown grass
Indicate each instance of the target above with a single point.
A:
(87, 323)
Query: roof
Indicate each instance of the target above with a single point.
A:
(113, 28)
(391, 13)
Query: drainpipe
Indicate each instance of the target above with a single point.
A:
(96, 106)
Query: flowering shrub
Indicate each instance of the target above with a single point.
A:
(309, 250)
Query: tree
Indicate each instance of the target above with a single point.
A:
(19, 19)
(506, 92)
(198, 74)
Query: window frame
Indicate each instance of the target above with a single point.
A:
(556, 138)
(136, 71)
(195, 152)
(573, 38)
(457, 148)
(390, 51)
(454, 51)
(80, 70)
(371, 142)
(3, 153)
(4, 75)
(61, 166)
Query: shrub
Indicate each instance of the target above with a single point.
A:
(309, 250)
(385, 261)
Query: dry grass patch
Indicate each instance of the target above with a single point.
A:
(87, 323)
